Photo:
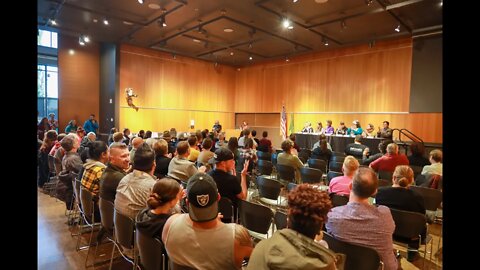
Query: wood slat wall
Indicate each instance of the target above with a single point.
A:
(78, 81)
(171, 92)
(368, 84)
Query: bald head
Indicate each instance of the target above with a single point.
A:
(136, 142)
(364, 183)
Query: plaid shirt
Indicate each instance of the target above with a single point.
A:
(91, 177)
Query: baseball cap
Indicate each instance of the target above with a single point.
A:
(202, 194)
(221, 154)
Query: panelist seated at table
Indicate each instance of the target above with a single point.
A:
(386, 131)
(356, 148)
(369, 132)
(356, 129)
(329, 130)
(319, 128)
(308, 128)
(342, 129)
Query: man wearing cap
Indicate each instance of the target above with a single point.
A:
(199, 239)
(224, 176)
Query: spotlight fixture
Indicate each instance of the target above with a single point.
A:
(325, 41)
(232, 53)
(140, 2)
(250, 58)
(161, 22)
(53, 22)
(86, 39)
(287, 24)
(286, 59)
(294, 1)
(368, 2)
(397, 29)
(105, 21)
(81, 41)
(250, 46)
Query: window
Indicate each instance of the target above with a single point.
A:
(47, 91)
(47, 39)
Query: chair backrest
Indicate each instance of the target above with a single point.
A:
(225, 206)
(76, 190)
(280, 220)
(291, 186)
(385, 175)
(286, 173)
(152, 252)
(106, 213)
(331, 175)
(416, 170)
(264, 155)
(358, 257)
(51, 164)
(255, 217)
(432, 197)
(274, 159)
(124, 229)
(335, 166)
(408, 224)
(265, 167)
(338, 200)
(311, 175)
(268, 188)
(86, 198)
(317, 164)
(384, 183)
(337, 157)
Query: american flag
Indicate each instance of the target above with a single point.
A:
(283, 123)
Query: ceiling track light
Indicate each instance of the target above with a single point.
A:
(287, 59)
(140, 2)
(53, 22)
(105, 21)
(162, 22)
(397, 29)
(287, 24)
(368, 2)
(294, 1)
(325, 41)
(250, 58)
(81, 41)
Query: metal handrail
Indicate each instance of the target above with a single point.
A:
(408, 134)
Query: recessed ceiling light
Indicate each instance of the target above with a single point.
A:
(231, 53)
(228, 30)
(127, 23)
(71, 52)
(196, 40)
(95, 20)
(154, 6)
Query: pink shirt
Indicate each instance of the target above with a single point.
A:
(339, 185)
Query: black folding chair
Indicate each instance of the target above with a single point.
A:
(338, 200)
(255, 218)
(264, 155)
(225, 206)
(358, 257)
(317, 164)
(311, 175)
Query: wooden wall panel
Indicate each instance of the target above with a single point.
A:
(352, 79)
(78, 81)
(160, 120)
(174, 90)
(427, 126)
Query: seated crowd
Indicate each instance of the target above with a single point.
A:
(145, 177)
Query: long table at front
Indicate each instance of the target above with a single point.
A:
(338, 142)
